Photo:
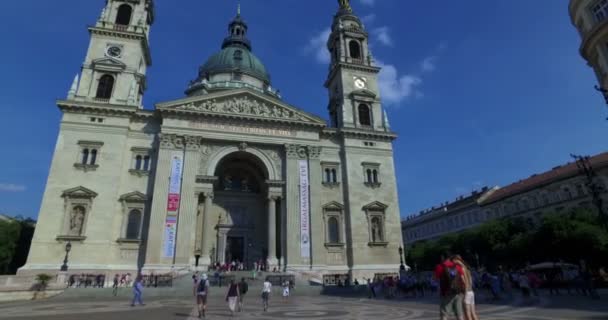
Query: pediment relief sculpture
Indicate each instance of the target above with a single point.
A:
(248, 106)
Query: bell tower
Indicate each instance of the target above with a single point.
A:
(114, 70)
(354, 99)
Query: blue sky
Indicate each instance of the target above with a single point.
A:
(481, 92)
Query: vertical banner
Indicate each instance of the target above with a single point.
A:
(173, 201)
(170, 233)
(304, 209)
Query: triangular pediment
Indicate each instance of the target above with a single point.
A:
(242, 103)
(133, 197)
(333, 206)
(79, 192)
(375, 206)
(364, 93)
(109, 63)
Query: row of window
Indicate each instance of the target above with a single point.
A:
(467, 219)
(371, 174)
(142, 161)
(334, 225)
(354, 49)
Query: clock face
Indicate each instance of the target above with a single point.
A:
(114, 51)
(360, 83)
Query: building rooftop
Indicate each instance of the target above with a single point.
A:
(565, 171)
(459, 202)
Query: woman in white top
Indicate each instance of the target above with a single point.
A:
(267, 288)
(469, 298)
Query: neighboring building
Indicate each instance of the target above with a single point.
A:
(230, 172)
(590, 17)
(561, 189)
(449, 217)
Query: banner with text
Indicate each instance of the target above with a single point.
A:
(173, 201)
(304, 209)
(170, 233)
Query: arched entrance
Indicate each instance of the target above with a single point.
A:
(242, 209)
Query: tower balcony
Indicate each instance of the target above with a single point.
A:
(122, 28)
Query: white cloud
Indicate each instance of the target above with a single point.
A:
(383, 35)
(9, 187)
(394, 87)
(317, 45)
(370, 3)
(428, 64)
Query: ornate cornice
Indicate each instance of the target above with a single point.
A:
(275, 183)
(100, 108)
(193, 143)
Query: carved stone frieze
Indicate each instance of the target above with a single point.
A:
(296, 151)
(246, 106)
(171, 141)
(314, 152)
(193, 142)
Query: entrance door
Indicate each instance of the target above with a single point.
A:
(235, 249)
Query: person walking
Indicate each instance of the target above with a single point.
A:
(138, 291)
(232, 297)
(469, 298)
(115, 285)
(451, 288)
(201, 291)
(370, 286)
(285, 290)
(243, 288)
(266, 290)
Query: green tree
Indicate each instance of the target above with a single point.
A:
(9, 236)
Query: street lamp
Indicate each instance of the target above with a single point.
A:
(401, 266)
(68, 247)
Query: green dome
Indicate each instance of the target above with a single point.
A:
(235, 58)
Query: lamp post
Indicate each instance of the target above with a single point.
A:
(584, 166)
(68, 247)
(401, 266)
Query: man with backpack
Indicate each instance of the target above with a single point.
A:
(201, 290)
(243, 288)
(451, 288)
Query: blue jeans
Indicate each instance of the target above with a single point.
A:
(137, 298)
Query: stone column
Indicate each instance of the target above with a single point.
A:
(186, 229)
(169, 144)
(198, 241)
(207, 229)
(293, 258)
(317, 241)
(272, 227)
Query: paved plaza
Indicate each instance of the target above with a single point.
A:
(309, 307)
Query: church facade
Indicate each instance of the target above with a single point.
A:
(229, 172)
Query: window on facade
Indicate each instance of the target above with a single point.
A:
(567, 193)
(369, 177)
(134, 224)
(138, 162)
(545, 199)
(105, 87)
(600, 10)
(93, 157)
(123, 17)
(147, 163)
(333, 229)
(579, 190)
(355, 49)
(330, 173)
(365, 118)
(85, 156)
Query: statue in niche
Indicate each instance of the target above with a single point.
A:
(376, 232)
(76, 221)
(245, 185)
(228, 182)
